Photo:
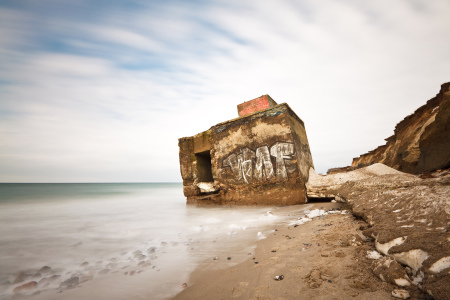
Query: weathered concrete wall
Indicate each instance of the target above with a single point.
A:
(260, 159)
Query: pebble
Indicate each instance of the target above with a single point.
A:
(45, 281)
(71, 282)
(229, 258)
(25, 287)
(279, 277)
(45, 270)
(184, 285)
(400, 294)
(216, 258)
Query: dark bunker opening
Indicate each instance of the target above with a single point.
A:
(204, 170)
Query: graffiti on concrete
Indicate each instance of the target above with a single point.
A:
(251, 166)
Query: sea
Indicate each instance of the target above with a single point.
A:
(119, 240)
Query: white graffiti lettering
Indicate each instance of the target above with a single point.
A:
(263, 167)
(257, 165)
(282, 151)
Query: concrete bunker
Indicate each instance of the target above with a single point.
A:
(260, 158)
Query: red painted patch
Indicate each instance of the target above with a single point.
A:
(255, 105)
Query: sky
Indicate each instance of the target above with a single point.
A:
(100, 91)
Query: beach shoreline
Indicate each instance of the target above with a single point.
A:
(325, 258)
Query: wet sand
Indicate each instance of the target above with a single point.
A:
(325, 258)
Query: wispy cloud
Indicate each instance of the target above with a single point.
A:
(100, 91)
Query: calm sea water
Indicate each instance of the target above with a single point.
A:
(93, 231)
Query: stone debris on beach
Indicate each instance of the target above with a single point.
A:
(44, 270)
(71, 282)
(400, 294)
(279, 277)
(25, 287)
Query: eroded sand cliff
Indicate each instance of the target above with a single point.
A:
(421, 141)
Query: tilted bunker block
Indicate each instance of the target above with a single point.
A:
(259, 159)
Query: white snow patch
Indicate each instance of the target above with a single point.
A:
(374, 254)
(316, 213)
(440, 265)
(384, 248)
(413, 258)
(402, 282)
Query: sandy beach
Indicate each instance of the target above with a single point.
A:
(325, 258)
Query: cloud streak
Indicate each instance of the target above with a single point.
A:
(101, 92)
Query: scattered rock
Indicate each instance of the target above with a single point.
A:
(184, 285)
(151, 250)
(229, 258)
(45, 270)
(45, 281)
(140, 257)
(400, 294)
(279, 277)
(25, 287)
(71, 282)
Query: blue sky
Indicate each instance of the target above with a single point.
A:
(100, 91)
